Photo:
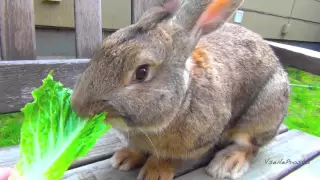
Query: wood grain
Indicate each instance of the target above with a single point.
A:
(103, 149)
(18, 30)
(101, 170)
(300, 58)
(88, 27)
(290, 147)
(19, 78)
(308, 171)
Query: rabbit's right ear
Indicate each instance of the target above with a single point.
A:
(204, 16)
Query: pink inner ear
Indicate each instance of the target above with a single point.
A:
(214, 13)
(171, 5)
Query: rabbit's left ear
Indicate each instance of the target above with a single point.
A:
(204, 16)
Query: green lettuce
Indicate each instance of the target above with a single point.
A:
(52, 135)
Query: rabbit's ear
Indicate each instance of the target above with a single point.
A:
(205, 16)
(145, 5)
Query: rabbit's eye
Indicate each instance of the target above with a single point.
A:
(142, 72)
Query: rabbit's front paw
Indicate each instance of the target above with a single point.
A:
(128, 158)
(230, 163)
(157, 169)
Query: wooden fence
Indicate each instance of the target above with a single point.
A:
(21, 71)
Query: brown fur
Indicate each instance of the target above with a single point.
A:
(234, 94)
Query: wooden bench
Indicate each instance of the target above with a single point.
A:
(296, 154)
(21, 72)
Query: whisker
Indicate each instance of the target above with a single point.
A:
(151, 142)
(128, 138)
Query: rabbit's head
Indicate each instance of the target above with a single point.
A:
(139, 75)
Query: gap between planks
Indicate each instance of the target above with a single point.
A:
(102, 169)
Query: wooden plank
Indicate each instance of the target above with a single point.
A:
(308, 171)
(300, 58)
(18, 30)
(103, 149)
(287, 148)
(19, 78)
(101, 170)
(88, 27)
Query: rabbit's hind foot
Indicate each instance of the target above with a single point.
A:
(232, 162)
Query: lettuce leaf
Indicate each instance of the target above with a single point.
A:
(52, 135)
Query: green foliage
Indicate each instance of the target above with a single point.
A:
(52, 135)
(10, 125)
(304, 109)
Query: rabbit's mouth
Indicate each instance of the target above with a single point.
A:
(118, 119)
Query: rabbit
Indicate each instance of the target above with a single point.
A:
(181, 81)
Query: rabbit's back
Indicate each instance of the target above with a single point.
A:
(242, 60)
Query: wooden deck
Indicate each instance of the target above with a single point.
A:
(297, 156)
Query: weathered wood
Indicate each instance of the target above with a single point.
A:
(300, 58)
(88, 27)
(17, 30)
(308, 171)
(288, 149)
(19, 78)
(103, 149)
(103, 169)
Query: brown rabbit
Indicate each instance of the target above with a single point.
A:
(182, 80)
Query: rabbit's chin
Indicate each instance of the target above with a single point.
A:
(118, 123)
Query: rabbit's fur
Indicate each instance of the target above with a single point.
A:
(230, 90)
